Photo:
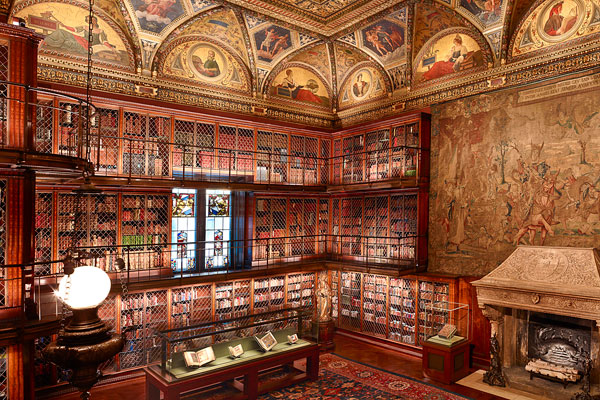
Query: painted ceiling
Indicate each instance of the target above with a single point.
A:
(320, 56)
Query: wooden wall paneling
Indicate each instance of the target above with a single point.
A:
(423, 167)
(422, 228)
(481, 330)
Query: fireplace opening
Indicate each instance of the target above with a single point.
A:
(559, 340)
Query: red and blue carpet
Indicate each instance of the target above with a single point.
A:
(340, 378)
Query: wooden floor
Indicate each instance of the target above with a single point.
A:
(344, 346)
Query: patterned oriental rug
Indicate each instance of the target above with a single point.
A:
(341, 378)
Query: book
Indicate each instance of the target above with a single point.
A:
(292, 338)
(196, 359)
(454, 340)
(267, 342)
(236, 351)
(447, 331)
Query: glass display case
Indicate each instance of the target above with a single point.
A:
(446, 323)
(253, 335)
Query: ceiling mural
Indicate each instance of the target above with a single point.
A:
(154, 16)
(347, 57)
(65, 29)
(449, 53)
(219, 24)
(316, 56)
(363, 84)
(311, 56)
(431, 19)
(205, 62)
(556, 22)
(487, 12)
(300, 86)
(385, 39)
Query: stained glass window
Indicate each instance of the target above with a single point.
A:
(183, 230)
(183, 205)
(218, 205)
(218, 229)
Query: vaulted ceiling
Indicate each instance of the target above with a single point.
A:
(317, 57)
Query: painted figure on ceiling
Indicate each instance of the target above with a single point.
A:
(75, 39)
(451, 63)
(157, 10)
(360, 87)
(488, 11)
(210, 67)
(556, 24)
(273, 41)
(305, 92)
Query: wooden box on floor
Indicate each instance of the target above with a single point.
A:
(446, 364)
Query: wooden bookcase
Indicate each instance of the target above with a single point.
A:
(393, 309)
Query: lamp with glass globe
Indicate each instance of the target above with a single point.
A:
(86, 342)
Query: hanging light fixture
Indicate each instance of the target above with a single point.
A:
(85, 342)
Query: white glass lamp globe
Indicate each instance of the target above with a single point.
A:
(89, 288)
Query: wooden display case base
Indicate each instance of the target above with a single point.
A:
(444, 363)
(325, 331)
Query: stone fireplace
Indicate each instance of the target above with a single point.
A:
(544, 307)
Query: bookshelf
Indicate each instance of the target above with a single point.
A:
(145, 228)
(402, 312)
(156, 318)
(374, 317)
(323, 227)
(44, 212)
(105, 140)
(44, 129)
(86, 220)
(132, 324)
(270, 228)
(237, 144)
(241, 297)
(272, 162)
(304, 152)
(146, 146)
(350, 301)
(194, 146)
(325, 162)
(261, 295)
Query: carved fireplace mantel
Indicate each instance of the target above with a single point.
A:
(551, 286)
(554, 280)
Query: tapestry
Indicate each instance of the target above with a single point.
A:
(514, 167)
(341, 378)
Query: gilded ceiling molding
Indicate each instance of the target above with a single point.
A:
(135, 40)
(251, 56)
(333, 64)
(324, 27)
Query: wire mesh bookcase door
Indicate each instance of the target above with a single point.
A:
(277, 247)
(310, 227)
(323, 247)
(107, 312)
(155, 319)
(104, 141)
(69, 128)
(241, 298)
(72, 222)
(402, 313)
(135, 132)
(297, 159)
(262, 228)
(245, 151)
(227, 147)
(132, 325)
(276, 292)
(158, 146)
(264, 148)
(103, 228)
(158, 226)
(44, 211)
(325, 161)
(44, 126)
(261, 295)
(375, 305)
(403, 225)
(205, 152)
(279, 172)
(183, 149)
(202, 304)
(296, 227)
(350, 317)
(311, 155)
